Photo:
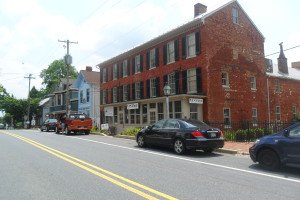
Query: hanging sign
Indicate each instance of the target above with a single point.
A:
(196, 101)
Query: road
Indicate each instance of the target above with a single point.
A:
(40, 165)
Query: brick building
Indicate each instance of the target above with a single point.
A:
(214, 65)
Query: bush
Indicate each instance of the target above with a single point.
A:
(130, 131)
(241, 135)
(229, 136)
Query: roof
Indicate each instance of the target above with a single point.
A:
(294, 73)
(197, 21)
(91, 76)
(44, 101)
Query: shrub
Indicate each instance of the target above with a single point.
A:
(241, 135)
(130, 131)
(229, 136)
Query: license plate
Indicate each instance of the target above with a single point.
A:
(213, 135)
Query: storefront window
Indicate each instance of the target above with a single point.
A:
(193, 111)
(145, 115)
(177, 109)
(160, 111)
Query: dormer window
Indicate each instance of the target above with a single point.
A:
(235, 15)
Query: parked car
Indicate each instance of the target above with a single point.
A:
(275, 150)
(77, 122)
(49, 124)
(181, 135)
(2, 126)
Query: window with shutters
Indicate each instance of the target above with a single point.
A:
(137, 64)
(152, 87)
(152, 59)
(191, 45)
(137, 90)
(191, 81)
(104, 75)
(172, 84)
(170, 52)
(115, 71)
(115, 94)
(227, 117)
(125, 93)
(124, 66)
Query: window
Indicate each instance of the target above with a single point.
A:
(124, 67)
(254, 116)
(294, 112)
(160, 111)
(137, 90)
(115, 94)
(253, 82)
(115, 72)
(170, 52)
(191, 80)
(191, 45)
(104, 75)
(125, 93)
(177, 109)
(227, 118)
(277, 86)
(104, 96)
(145, 113)
(172, 84)
(278, 113)
(159, 124)
(59, 100)
(138, 116)
(81, 96)
(152, 59)
(88, 95)
(115, 114)
(225, 79)
(132, 116)
(295, 132)
(137, 64)
(172, 124)
(152, 87)
(235, 15)
(193, 111)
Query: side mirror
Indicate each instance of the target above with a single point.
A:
(286, 132)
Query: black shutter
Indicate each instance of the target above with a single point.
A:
(142, 89)
(177, 83)
(141, 62)
(183, 47)
(133, 91)
(176, 50)
(107, 75)
(156, 57)
(121, 69)
(128, 93)
(120, 93)
(101, 76)
(157, 85)
(198, 45)
(101, 97)
(128, 67)
(148, 60)
(184, 82)
(106, 99)
(165, 54)
(111, 95)
(112, 73)
(165, 80)
(199, 80)
(148, 88)
(133, 65)
(118, 76)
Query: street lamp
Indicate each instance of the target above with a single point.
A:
(167, 92)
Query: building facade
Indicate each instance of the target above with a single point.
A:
(214, 65)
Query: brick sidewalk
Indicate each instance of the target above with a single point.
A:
(240, 147)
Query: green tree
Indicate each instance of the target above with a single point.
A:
(54, 73)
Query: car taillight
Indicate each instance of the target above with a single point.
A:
(197, 134)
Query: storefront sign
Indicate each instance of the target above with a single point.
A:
(109, 111)
(104, 127)
(132, 106)
(196, 101)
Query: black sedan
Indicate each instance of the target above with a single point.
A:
(49, 124)
(181, 135)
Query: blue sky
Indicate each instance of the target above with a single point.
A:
(30, 30)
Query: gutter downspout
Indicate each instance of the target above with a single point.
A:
(268, 100)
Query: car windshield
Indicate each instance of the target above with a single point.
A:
(52, 120)
(196, 124)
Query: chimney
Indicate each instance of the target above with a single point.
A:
(282, 62)
(296, 65)
(199, 9)
(88, 69)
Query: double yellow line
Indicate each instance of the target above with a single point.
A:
(100, 172)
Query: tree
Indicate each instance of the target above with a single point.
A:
(54, 73)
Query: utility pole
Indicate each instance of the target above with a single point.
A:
(28, 109)
(68, 62)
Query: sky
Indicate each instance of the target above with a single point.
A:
(30, 30)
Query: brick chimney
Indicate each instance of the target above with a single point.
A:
(296, 65)
(199, 9)
(282, 62)
(88, 69)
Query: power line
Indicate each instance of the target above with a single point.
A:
(283, 50)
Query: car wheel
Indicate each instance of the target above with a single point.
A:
(208, 150)
(268, 159)
(87, 132)
(141, 141)
(179, 146)
(47, 129)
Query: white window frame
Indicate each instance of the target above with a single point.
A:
(191, 45)
(115, 94)
(253, 82)
(170, 52)
(137, 64)
(137, 86)
(235, 15)
(152, 59)
(227, 116)
(104, 96)
(254, 116)
(191, 80)
(277, 86)
(115, 71)
(294, 112)
(153, 87)
(125, 93)
(59, 102)
(172, 82)
(104, 75)
(124, 68)
(278, 113)
(225, 79)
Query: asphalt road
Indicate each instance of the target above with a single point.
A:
(40, 165)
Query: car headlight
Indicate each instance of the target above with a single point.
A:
(256, 141)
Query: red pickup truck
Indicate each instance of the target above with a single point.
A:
(75, 123)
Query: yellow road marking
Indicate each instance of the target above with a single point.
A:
(68, 158)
